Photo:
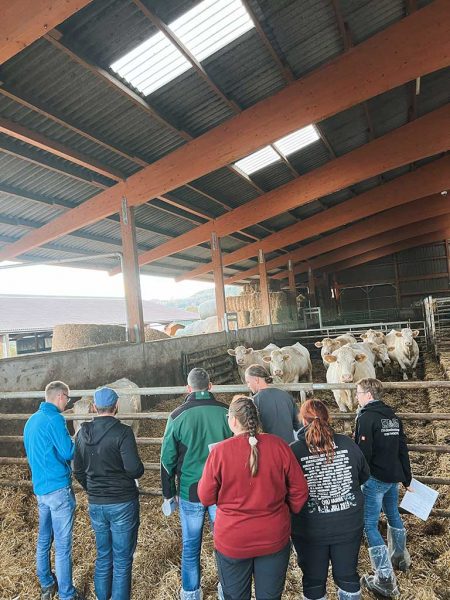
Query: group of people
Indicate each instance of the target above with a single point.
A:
(268, 476)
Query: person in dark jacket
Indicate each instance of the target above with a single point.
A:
(49, 450)
(277, 410)
(192, 429)
(330, 526)
(107, 464)
(379, 433)
(255, 481)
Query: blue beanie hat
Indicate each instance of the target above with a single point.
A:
(105, 397)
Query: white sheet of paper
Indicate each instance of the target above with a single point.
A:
(420, 501)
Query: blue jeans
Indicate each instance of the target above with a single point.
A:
(379, 495)
(192, 516)
(56, 515)
(116, 530)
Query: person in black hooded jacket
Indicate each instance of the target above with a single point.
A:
(379, 434)
(106, 464)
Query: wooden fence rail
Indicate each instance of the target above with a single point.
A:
(236, 388)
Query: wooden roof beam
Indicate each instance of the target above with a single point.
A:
(416, 45)
(33, 138)
(25, 21)
(396, 234)
(431, 178)
(422, 208)
(422, 240)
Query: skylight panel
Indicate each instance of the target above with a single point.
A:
(204, 29)
(211, 25)
(258, 160)
(297, 140)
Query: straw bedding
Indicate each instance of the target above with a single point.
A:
(157, 560)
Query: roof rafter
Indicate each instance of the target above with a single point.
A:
(429, 179)
(415, 45)
(25, 21)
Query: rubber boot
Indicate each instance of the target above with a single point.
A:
(398, 553)
(323, 598)
(194, 595)
(383, 582)
(343, 595)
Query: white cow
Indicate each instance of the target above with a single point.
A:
(329, 345)
(347, 365)
(290, 364)
(127, 404)
(403, 350)
(247, 356)
(373, 335)
(376, 353)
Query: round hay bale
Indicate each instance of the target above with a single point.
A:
(207, 309)
(78, 335)
(172, 328)
(153, 334)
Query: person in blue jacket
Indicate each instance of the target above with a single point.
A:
(49, 450)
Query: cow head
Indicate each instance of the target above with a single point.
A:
(276, 361)
(328, 346)
(373, 336)
(240, 353)
(381, 352)
(408, 335)
(346, 359)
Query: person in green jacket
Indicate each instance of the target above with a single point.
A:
(191, 430)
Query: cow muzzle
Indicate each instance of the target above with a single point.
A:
(278, 373)
(346, 379)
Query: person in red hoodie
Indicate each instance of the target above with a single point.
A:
(256, 481)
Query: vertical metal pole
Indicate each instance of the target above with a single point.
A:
(264, 288)
(216, 256)
(311, 287)
(130, 270)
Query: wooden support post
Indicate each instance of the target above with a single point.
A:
(218, 280)
(130, 268)
(397, 282)
(312, 287)
(264, 289)
(5, 346)
(291, 277)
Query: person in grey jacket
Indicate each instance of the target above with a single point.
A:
(277, 409)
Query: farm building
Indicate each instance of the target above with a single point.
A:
(297, 148)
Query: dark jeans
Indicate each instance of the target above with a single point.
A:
(269, 571)
(116, 529)
(313, 560)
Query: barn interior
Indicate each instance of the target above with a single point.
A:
(295, 146)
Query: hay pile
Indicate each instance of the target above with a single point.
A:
(248, 307)
(152, 335)
(76, 335)
(157, 560)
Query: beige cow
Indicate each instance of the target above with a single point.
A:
(329, 345)
(247, 356)
(126, 404)
(403, 350)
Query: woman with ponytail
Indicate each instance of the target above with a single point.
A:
(277, 409)
(255, 481)
(330, 526)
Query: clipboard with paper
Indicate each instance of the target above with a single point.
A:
(420, 501)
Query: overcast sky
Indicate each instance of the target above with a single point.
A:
(67, 281)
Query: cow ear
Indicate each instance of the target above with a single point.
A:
(398, 333)
(360, 357)
(286, 357)
(267, 359)
(318, 344)
(415, 332)
(330, 358)
(231, 352)
(391, 349)
(363, 336)
(248, 350)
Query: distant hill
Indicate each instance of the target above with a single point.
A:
(199, 297)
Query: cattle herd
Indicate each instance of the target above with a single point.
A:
(345, 359)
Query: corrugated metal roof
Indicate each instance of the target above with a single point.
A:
(367, 18)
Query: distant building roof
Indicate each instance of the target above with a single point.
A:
(40, 313)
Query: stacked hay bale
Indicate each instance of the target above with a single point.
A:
(78, 335)
(248, 306)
